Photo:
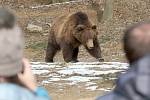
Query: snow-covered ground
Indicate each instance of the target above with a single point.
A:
(77, 73)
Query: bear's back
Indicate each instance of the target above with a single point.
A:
(64, 25)
(61, 28)
(57, 25)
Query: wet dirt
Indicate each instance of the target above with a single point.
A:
(77, 81)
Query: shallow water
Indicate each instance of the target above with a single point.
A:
(77, 81)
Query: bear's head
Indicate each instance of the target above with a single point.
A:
(86, 34)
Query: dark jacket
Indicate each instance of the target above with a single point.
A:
(134, 84)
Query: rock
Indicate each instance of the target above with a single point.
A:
(34, 28)
(49, 24)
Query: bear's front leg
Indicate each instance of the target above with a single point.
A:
(95, 51)
(67, 51)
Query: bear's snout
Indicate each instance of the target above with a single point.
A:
(90, 44)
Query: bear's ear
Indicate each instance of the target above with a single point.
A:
(94, 27)
(80, 27)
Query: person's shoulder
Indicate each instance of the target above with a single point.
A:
(16, 92)
(9, 87)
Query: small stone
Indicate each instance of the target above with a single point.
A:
(34, 28)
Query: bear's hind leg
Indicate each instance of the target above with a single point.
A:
(50, 52)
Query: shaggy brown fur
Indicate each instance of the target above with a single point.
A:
(68, 33)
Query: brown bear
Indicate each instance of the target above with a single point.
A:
(68, 33)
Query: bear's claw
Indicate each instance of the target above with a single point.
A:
(74, 61)
(100, 59)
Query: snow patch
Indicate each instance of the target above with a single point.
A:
(105, 89)
(85, 73)
(57, 4)
(92, 88)
(39, 72)
(77, 79)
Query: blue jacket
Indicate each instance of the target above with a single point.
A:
(14, 92)
(134, 84)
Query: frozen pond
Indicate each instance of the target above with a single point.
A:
(90, 78)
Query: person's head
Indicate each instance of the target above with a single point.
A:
(11, 46)
(137, 41)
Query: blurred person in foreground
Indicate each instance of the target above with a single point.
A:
(16, 79)
(135, 83)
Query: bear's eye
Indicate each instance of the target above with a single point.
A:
(80, 27)
(94, 27)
